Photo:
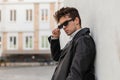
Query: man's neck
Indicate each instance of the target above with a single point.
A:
(73, 34)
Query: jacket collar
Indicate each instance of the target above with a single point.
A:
(73, 34)
(84, 31)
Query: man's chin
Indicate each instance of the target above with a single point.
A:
(68, 34)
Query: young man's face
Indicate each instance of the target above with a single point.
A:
(69, 27)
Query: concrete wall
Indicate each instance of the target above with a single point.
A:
(103, 18)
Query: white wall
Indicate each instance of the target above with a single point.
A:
(103, 18)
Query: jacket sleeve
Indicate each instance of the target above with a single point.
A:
(83, 58)
(55, 48)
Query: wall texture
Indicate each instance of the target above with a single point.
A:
(103, 19)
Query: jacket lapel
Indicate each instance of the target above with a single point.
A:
(65, 49)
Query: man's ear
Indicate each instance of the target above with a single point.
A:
(76, 20)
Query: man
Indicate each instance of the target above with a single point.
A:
(76, 59)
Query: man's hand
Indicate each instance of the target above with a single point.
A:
(56, 33)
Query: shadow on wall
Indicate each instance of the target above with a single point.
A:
(117, 42)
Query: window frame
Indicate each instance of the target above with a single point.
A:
(44, 12)
(12, 41)
(29, 15)
(41, 40)
(13, 15)
(29, 37)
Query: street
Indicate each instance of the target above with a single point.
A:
(26, 72)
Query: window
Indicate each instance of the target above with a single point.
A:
(12, 15)
(12, 42)
(28, 41)
(0, 15)
(44, 42)
(29, 15)
(44, 15)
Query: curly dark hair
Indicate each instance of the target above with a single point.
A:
(69, 11)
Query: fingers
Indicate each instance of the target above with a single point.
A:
(56, 33)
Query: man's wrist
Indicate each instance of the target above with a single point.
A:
(52, 37)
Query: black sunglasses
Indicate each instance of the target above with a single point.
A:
(64, 24)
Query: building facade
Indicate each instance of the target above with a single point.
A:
(25, 26)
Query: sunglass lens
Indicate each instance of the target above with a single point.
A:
(60, 26)
(65, 24)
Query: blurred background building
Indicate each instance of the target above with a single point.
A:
(24, 28)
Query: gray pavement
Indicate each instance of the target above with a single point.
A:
(34, 72)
